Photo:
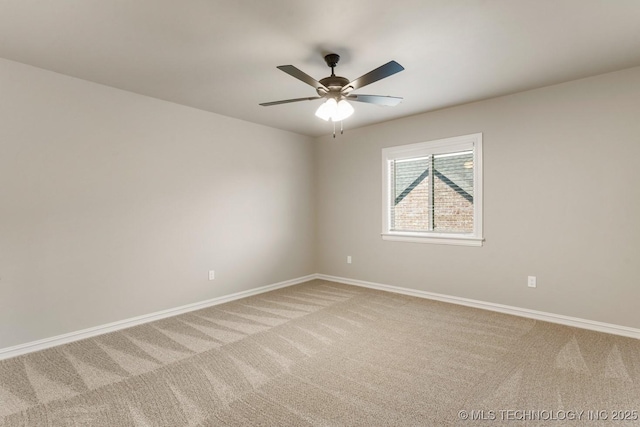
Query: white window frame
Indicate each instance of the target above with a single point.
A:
(423, 149)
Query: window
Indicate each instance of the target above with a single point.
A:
(432, 191)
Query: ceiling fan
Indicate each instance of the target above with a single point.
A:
(337, 90)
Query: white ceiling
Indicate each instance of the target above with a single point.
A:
(221, 55)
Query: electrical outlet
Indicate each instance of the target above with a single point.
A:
(349, 259)
(212, 274)
(532, 282)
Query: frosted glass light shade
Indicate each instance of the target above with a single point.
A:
(327, 109)
(343, 111)
(336, 111)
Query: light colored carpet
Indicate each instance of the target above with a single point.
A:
(323, 353)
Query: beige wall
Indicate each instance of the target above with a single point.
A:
(561, 202)
(114, 205)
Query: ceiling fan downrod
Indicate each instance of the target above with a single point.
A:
(332, 60)
(333, 85)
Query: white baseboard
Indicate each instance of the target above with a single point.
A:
(522, 312)
(6, 353)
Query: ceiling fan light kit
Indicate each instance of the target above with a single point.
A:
(334, 111)
(337, 90)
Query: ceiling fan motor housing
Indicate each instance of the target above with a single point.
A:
(334, 84)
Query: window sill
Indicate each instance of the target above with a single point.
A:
(434, 239)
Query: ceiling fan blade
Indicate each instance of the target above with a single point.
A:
(300, 75)
(386, 70)
(286, 101)
(390, 101)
